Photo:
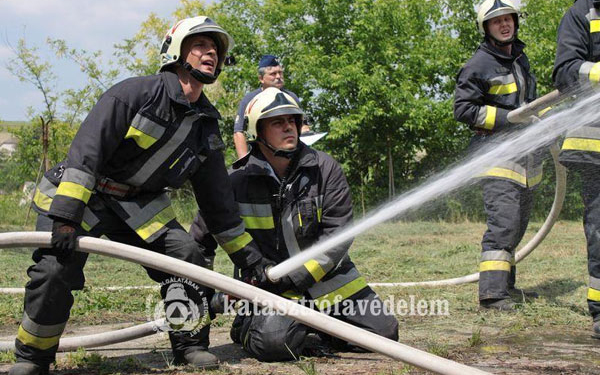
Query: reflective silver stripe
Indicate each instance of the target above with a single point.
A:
(47, 188)
(79, 177)
(589, 132)
(584, 70)
(520, 82)
(163, 154)
(147, 126)
(496, 255)
(139, 216)
(502, 80)
(514, 167)
(41, 330)
(325, 262)
(593, 15)
(594, 283)
(230, 234)
(289, 235)
(257, 210)
(481, 116)
(89, 218)
(323, 287)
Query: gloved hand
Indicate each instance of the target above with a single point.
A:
(64, 237)
(256, 274)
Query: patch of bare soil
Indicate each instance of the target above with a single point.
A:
(540, 353)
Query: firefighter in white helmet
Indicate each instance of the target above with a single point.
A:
(496, 80)
(291, 196)
(144, 135)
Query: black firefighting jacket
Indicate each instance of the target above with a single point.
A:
(141, 137)
(488, 87)
(313, 203)
(578, 62)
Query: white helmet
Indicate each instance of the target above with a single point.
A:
(170, 52)
(494, 8)
(270, 102)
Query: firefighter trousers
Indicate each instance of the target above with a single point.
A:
(271, 337)
(591, 225)
(48, 297)
(507, 206)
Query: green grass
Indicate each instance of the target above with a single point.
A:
(392, 252)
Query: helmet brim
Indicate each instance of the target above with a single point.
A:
(282, 111)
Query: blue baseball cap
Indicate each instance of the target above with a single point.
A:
(268, 60)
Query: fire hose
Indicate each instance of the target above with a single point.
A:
(262, 298)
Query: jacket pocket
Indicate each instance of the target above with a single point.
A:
(182, 168)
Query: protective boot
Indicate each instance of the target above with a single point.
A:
(504, 304)
(520, 295)
(28, 368)
(596, 330)
(199, 358)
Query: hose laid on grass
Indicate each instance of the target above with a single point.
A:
(559, 198)
(262, 298)
(68, 344)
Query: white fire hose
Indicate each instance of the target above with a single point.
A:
(312, 318)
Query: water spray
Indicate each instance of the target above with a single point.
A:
(540, 134)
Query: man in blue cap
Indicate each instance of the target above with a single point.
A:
(270, 74)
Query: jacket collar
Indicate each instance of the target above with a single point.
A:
(175, 93)
(255, 163)
(517, 50)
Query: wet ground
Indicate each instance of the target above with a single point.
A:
(562, 352)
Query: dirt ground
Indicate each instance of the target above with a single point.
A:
(567, 352)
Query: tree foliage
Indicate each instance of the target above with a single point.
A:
(377, 75)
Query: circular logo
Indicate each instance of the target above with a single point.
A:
(177, 311)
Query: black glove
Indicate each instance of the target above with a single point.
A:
(256, 273)
(64, 237)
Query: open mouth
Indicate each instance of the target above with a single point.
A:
(209, 63)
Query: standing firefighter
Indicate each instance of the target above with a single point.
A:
(291, 196)
(494, 81)
(578, 64)
(144, 135)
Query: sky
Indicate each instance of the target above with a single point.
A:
(84, 24)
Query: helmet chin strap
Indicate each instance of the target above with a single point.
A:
(202, 77)
(288, 154)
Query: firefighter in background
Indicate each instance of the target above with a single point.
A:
(291, 196)
(496, 80)
(144, 134)
(577, 65)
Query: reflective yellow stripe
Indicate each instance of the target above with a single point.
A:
(175, 162)
(532, 181)
(42, 343)
(291, 295)
(340, 294)
(595, 73)
(490, 118)
(506, 173)
(594, 26)
(73, 190)
(319, 214)
(494, 265)
(237, 243)
(582, 144)
(299, 219)
(142, 139)
(156, 223)
(42, 200)
(85, 226)
(315, 269)
(543, 111)
(258, 222)
(593, 294)
(503, 89)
